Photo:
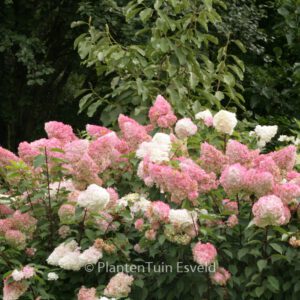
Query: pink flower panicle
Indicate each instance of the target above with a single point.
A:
(85, 172)
(132, 132)
(285, 158)
(232, 221)
(87, 294)
(232, 179)
(104, 150)
(113, 197)
(75, 150)
(15, 239)
(150, 234)
(5, 225)
(239, 153)
(119, 286)
(24, 222)
(267, 164)
(96, 131)
(161, 113)
(14, 290)
(60, 131)
(269, 210)
(204, 254)
(292, 175)
(287, 192)
(230, 206)
(258, 182)
(28, 272)
(6, 157)
(66, 213)
(220, 277)
(206, 181)
(179, 184)
(139, 224)
(212, 159)
(159, 211)
(104, 222)
(5, 210)
(28, 151)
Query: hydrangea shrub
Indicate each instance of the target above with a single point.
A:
(196, 193)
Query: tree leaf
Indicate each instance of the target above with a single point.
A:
(261, 264)
(277, 247)
(240, 45)
(146, 14)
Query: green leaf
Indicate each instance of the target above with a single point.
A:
(277, 247)
(139, 283)
(208, 4)
(259, 291)
(242, 252)
(237, 71)
(77, 23)
(194, 80)
(228, 78)
(240, 45)
(239, 62)
(273, 281)
(146, 14)
(261, 264)
(93, 107)
(83, 103)
(161, 239)
(164, 45)
(38, 161)
(283, 11)
(158, 4)
(219, 95)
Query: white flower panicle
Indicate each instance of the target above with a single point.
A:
(182, 217)
(52, 276)
(68, 256)
(17, 275)
(265, 134)
(157, 150)
(185, 127)
(225, 121)
(202, 115)
(94, 197)
(71, 261)
(289, 139)
(60, 251)
(90, 256)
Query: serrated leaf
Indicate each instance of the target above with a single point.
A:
(240, 45)
(228, 78)
(237, 71)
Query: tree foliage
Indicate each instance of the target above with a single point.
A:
(171, 49)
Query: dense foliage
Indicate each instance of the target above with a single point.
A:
(41, 72)
(174, 192)
(171, 50)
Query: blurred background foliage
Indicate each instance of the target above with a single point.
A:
(126, 52)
